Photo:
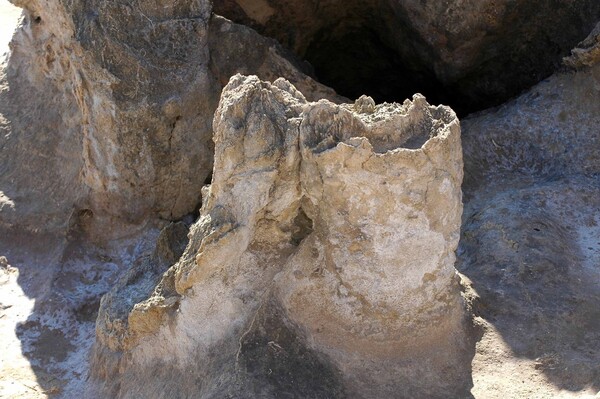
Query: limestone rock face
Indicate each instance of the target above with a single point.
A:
(321, 262)
(342, 221)
(44, 149)
(373, 286)
(133, 89)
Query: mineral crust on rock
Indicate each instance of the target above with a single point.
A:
(342, 221)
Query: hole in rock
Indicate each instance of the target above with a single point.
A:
(88, 311)
(208, 179)
(469, 58)
(302, 227)
(37, 20)
(79, 223)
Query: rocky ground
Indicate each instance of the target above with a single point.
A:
(49, 305)
(528, 255)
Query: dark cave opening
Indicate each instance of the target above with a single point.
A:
(359, 62)
(467, 59)
(357, 54)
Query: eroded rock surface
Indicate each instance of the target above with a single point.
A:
(530, 245)
(133, 89)
(587, 53)
(344, 224)
(308, 288)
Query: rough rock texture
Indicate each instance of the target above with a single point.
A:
(305, 271)
(133, 88)
(132, 288)
(543, 135)
(470, 54)
(43, 148)
(530, 246)
(587, 53)
(342, 221)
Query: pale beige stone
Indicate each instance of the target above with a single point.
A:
(371, 283)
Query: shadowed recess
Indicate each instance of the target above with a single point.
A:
(470, 55)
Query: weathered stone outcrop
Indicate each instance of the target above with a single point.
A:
(133, 88)
(322, 262)
(343, 221)
(44, 148)
(587, 53)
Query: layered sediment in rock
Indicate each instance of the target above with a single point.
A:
(342, 221)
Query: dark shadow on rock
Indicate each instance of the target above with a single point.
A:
(271, 360)
(467, 55)
(533, 256)
(275, 361)
(140, 281)
(34, 257)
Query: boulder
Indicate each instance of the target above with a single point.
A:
(342, 220)
(133, 88)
